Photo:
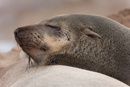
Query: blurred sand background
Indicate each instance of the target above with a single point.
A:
(17, 13)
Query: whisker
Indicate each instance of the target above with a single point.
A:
(29, 62)
(48, 50)
(45, 45)
(39, 44)
(41, 48)
(29, 59)
(40, 52)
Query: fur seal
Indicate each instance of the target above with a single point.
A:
(90, 42)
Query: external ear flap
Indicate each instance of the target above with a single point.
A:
(90, 33)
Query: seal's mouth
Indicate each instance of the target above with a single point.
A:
(43, 48)
(31, 41)
(30, 44)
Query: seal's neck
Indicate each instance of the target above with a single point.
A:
(83, 53)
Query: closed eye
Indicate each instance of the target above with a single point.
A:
(54, 27)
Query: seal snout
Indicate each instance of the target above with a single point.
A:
(16, 32)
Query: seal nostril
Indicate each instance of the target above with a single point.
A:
(15, 32)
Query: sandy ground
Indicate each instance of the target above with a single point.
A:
(17, 13)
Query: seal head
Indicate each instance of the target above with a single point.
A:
(86, 41)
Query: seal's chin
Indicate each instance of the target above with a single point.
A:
(36, 53)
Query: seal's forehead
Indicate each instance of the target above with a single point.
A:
(64, 21)
(58, 18)
(61, 21)
(73, 18)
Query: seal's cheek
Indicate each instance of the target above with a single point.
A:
(55, 44)
(37, 55)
